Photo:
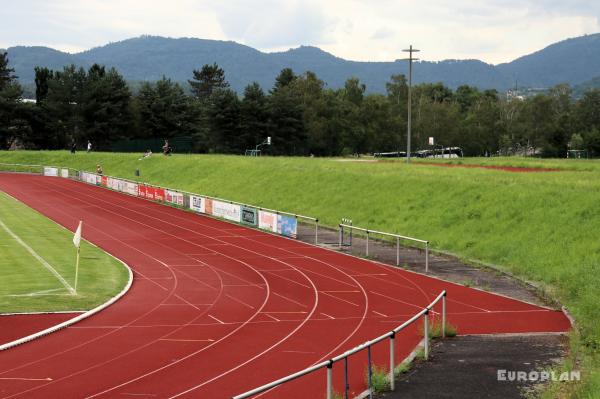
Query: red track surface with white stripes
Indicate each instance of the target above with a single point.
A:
(217, 309)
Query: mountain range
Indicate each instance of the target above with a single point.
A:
(574, 61)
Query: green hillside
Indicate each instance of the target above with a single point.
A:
(541, 226)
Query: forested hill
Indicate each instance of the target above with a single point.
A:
(572, 61)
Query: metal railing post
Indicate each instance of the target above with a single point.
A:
(426, 334)
(330, 380)
(444, 316)
(316, 231)
(346, 384)
(392, 362)
(427, 257)
(341, 235)
(367, 243)
(397, 251)
(370, 373)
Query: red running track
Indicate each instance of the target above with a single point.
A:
(216, 309)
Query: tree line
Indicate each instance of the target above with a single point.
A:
(299, 113)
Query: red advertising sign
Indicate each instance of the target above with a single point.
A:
(104, 181)
(141, 191)
(159, 194)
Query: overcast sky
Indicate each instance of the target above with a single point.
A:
(494, 31)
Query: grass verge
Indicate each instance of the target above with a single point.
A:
(27, 285)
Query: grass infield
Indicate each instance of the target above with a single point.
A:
(540, 226)
(37, 265)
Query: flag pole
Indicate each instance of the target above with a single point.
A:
(76, 272)
(77, 243)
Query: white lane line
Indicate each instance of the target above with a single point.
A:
(38, 258)
(25, 379)
(239, 301)
(302, 352)
(272, 317)
(339, 299)
(287, 279)
(397, 300)
(328, 316)
(380, 314)
(339, 291)
(215, 319)
(468, 304)
(289, 299)
(285, 312)
(186, 340)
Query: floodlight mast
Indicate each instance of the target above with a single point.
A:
(410, 60)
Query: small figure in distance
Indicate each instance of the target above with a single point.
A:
(166, 148)
(98, 169)
(147, 154)
(89, 146)
(73, 147)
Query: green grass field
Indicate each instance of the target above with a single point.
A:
(27, 285)
(540, 226)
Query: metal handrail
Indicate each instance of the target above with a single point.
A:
(384, 233)
(329, 363)
(397, 236)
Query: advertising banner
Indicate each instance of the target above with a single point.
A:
(249, 216)
(226, 210)
(150, 192)
(197, 204)
(50, 171)
(64, 173)
(287, 226)
(89, 178)
(208, 206)
(141, 191)
(131, 188)
(174, 197)
(267, 221)
(159, 194)
(105, 181)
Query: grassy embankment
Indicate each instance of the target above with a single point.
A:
(540, 226)
(29, 286)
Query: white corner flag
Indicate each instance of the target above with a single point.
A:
(77, 237)
(77, 242)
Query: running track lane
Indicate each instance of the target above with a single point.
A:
(216, 309)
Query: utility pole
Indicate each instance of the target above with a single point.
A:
(410, 60)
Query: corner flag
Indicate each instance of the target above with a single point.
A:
(77, 238)
(77, 242)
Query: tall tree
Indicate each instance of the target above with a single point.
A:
(284, 79)
(163, 109)
(207, 80)
(397, 90)
(42, 76)
(6, 73)
(354, 91)
(224, 120)
(254, 116)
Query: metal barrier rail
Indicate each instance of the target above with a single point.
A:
(367, 345)
(297, 216)
(397, 236)
(13, 166)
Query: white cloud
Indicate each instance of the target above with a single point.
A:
(377, 30)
